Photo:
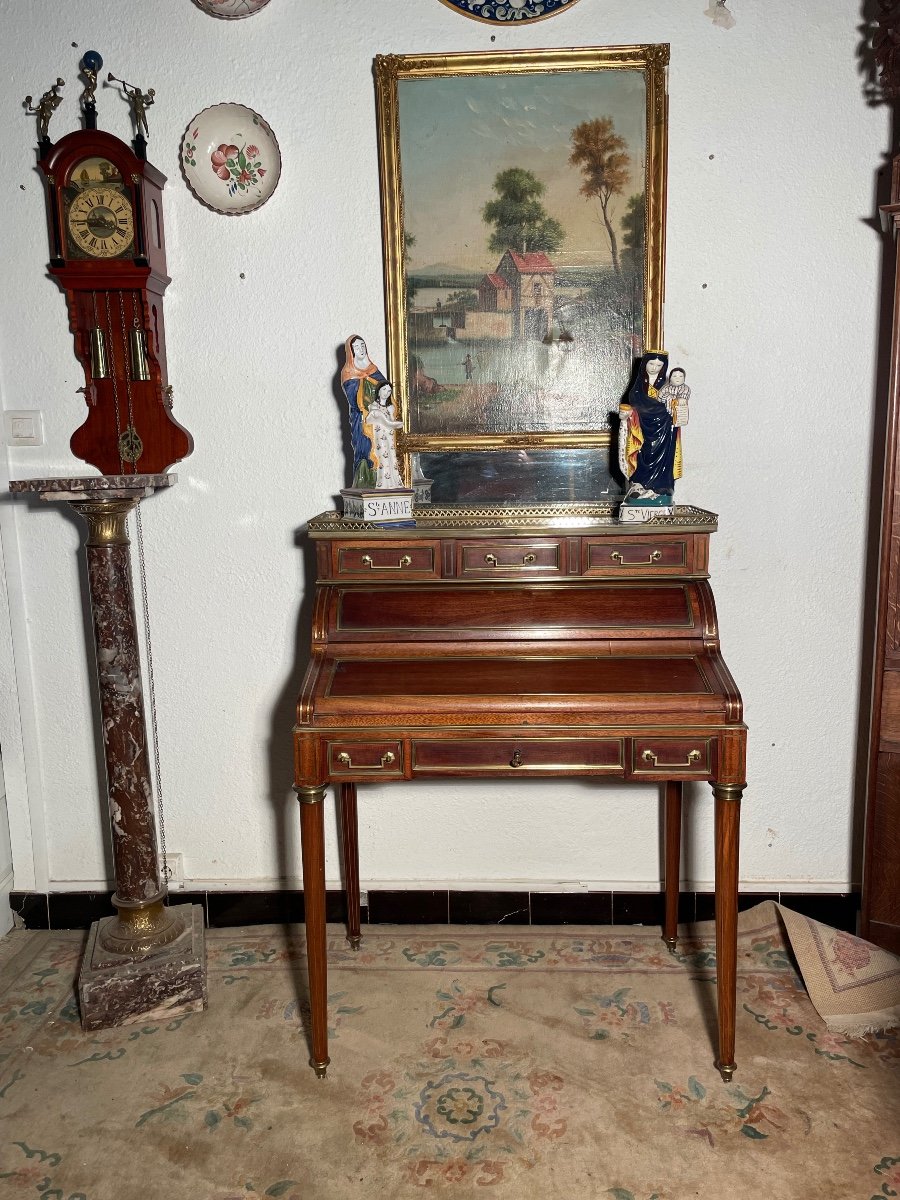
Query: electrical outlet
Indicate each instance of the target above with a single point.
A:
(23, 427)
(174, 870)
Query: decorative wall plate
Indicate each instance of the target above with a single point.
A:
(231, 10)
(230, 158)
(508, 11)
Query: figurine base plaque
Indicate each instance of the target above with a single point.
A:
(422, 491)
(631, 514)
(117, 989)
(379, 506)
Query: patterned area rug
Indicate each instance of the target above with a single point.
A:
(854, 985)
(516, 1063)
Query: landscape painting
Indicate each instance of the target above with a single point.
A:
(523, 209)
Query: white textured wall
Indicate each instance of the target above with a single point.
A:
(771, 304)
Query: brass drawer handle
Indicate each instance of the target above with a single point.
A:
(655, 556)
(405, 561)
(527, 560)
(386, 759)
(693, 756)
(516, 760)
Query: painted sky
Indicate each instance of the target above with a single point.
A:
(457, 133)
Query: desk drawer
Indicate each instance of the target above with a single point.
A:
(523, 557)
(673, 758)
(386, 560)
(522, 756)
(637, 556)
(376, 759)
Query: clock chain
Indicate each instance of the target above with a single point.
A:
(115, 385)
(151, 690)
(129, 442)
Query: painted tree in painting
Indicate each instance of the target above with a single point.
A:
(519, 218)
(606, 165)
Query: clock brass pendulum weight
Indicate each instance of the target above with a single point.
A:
(104, 206)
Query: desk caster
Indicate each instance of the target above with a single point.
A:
(726, 1070)
(319, 1067)
(671, 944)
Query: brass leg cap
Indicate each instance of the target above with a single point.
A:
(726, 1070)
(354, 939)
(319, 1067)
(671, 944)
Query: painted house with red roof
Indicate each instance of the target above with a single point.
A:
(532, 279)
(495, 294)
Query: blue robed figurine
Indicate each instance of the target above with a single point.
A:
(377, 494)
(650, 421)
(359, 380)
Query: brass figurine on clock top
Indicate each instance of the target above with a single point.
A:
(104, 205)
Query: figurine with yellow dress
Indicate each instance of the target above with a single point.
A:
(651, 418)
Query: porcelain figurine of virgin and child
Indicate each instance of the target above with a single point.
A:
(373, 419)
(650, 422)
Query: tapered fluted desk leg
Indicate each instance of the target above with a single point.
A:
(350, 855)
(313, 847)
(673, 862)
(728, 814)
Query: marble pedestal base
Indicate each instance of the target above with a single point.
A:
(115, 989)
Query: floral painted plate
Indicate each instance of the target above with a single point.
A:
(508, 11)
(231, 10)
(230, 158)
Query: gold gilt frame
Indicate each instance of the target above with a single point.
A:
(390, 73)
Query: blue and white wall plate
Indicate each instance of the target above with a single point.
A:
(508, 12)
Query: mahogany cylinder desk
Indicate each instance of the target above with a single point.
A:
(484, 643)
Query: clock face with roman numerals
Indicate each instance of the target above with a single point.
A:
(100, 220)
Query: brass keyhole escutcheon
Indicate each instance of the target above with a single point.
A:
(516, 760)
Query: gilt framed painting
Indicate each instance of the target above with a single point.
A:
(523, 208)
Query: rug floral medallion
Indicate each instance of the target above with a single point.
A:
(519, 1063)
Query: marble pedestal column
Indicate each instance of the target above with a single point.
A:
(148, 960)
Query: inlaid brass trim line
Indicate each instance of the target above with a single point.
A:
(700, 766)
(365, 563)
(524, 766)
(489, 562)
(344, 733)
(310, 795)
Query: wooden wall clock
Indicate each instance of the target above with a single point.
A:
(107, 246)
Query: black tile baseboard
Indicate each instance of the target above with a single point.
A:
(77, 910)
(390, 907)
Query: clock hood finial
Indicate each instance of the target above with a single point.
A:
(140, 102)
(91, 63)
(44, 110)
